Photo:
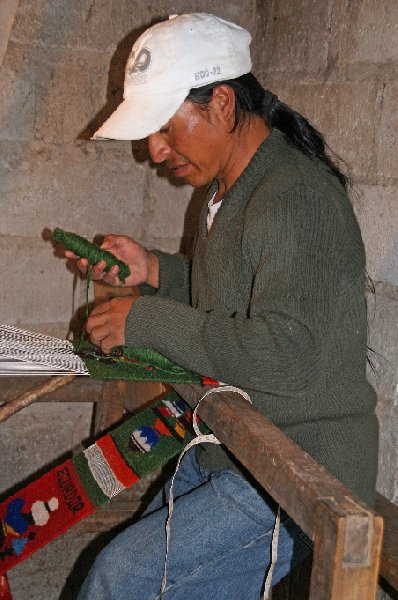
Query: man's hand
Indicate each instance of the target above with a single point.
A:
(144, 266)
(106, 323)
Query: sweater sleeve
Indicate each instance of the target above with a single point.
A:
(276, 346)
(174, 278)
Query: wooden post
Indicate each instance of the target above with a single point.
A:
(389, 555)
(347, 542)
(110, 409)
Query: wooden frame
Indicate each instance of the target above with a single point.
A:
(347, 534)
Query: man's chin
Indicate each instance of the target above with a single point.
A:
(196, 181)
(189, 177)
(186, 180)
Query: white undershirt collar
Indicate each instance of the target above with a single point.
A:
(212, 210)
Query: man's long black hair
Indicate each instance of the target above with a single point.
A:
(251, 98)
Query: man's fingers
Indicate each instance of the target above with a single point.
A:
(108, 343)
(98, 333)
(101, 309)
(112, 276)
(100, 336)
(106, 323)
(97, 271)
(98, 321)
(109, 242)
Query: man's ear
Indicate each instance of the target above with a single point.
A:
(223, 105)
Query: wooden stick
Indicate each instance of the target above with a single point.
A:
(50, 385)
(110, 410)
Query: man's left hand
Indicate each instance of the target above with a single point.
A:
(106, 324)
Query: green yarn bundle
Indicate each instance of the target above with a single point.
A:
(82, 247)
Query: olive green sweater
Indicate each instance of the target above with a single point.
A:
(274, 303)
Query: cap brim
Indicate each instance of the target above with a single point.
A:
(136, 118)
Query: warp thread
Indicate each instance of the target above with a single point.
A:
(82, 247)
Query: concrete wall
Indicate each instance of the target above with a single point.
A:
(333, 60)
(336, 62)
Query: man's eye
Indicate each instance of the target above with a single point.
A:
(164, 129)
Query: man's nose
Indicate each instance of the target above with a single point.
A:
(158, 147)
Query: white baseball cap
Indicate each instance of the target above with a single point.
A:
(166, 62)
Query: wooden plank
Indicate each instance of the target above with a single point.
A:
(140, 394)
(347, 550)
(347, 534)
(297, 481)
(292, 588)
(104, 292)
(389, 554)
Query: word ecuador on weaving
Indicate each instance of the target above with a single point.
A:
(52, 503)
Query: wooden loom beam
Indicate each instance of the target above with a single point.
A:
(347, 534)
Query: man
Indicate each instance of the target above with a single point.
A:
(273, 303)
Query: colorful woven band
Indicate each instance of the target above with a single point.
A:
(51, 504)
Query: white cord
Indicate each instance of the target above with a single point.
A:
(274, 555)
(212, 439)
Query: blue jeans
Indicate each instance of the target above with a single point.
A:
(220, 544)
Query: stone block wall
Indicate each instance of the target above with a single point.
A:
(335, 61)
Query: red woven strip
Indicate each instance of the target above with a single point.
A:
(209, 381)
(40, 512)
(124, 474)
(5, 592)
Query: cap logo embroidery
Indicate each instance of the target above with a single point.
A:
(215, 70)
(138, 65)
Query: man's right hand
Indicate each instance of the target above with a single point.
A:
(144, 265)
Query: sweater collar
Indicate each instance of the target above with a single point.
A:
(267, 156)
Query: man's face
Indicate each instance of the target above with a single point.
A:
(191, 144)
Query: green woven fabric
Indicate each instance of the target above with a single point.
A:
(135, 364)
(70, 491)
(174, 434)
